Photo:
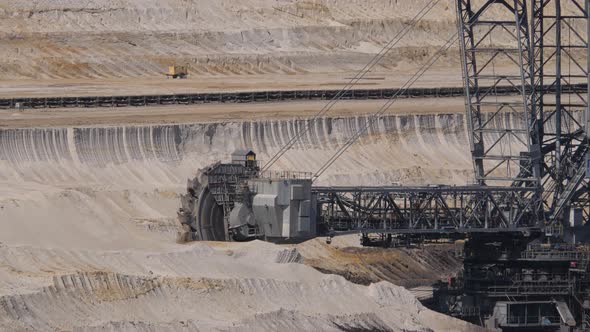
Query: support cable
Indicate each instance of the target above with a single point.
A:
(376, 116)
(359, 75)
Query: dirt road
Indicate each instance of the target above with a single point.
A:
(216, 112)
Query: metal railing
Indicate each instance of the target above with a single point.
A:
(272, 174)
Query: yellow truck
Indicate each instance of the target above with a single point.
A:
(177, 72)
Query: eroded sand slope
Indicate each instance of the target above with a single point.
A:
(87, 229)
(98, 181)
(196, 287)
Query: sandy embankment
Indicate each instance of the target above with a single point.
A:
(196, 287)
(88, 197)
(75, 47)
(87, 226)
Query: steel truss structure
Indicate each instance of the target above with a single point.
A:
(427, 210)
(513, 284)
(496, 50)
(529, 149)
(531, 169)
(560, 44)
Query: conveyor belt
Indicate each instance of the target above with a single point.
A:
(241, 97)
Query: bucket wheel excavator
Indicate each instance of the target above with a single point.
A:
(526, 220)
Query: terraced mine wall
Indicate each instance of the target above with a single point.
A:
(138, 38)
(434, 146)
(203, 143)
(116, 177)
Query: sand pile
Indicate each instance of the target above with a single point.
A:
(206, 287)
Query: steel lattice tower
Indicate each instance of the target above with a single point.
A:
(560, 47)
(538, 139)
(494, 40)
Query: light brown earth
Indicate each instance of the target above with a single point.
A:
(175, 114)
(88, 196)
(12, 88)
(76, 47)
(408, 267)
